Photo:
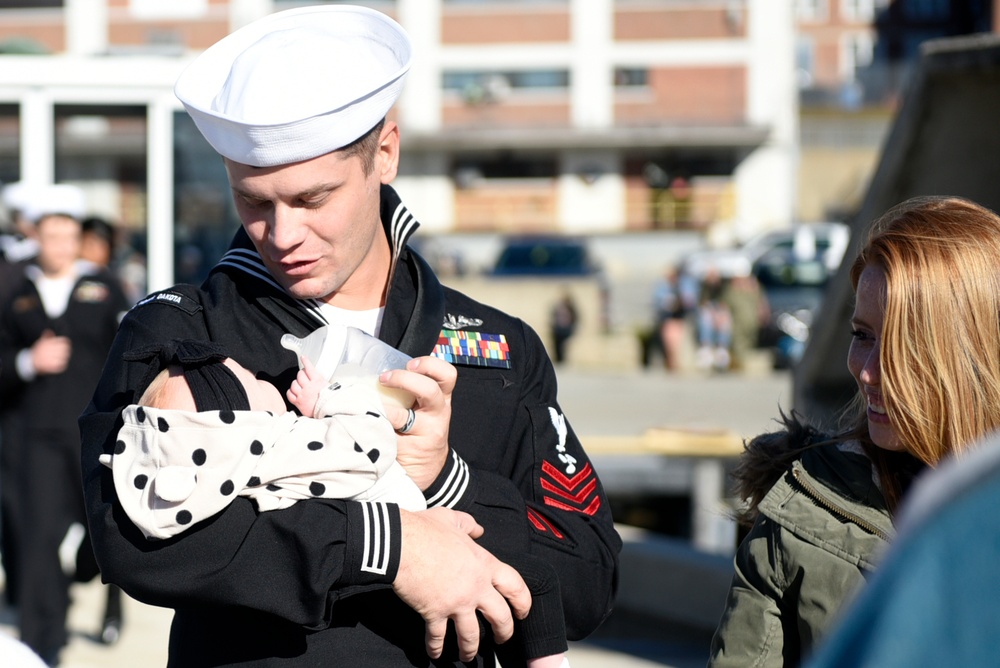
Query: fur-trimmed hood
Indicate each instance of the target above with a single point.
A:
(768, 456)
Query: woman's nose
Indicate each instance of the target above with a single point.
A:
(871, 373)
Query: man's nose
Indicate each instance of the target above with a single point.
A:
(286, 228)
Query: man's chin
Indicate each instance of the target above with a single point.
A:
(305, 290)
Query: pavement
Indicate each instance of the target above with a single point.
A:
(597, 404)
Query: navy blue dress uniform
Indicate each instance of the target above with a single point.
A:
(311, 585)
(259, 589)
(49, 491)
(16, 251)
(11, 276)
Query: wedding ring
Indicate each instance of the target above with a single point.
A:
(411, 417)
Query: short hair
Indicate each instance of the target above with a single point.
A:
(940, 346)
(365, 147)
(100, 228)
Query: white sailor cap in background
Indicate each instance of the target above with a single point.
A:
(17, 196)
(296, 84)
(33, 200)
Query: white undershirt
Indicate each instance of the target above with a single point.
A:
(54, 292)
(368, 321)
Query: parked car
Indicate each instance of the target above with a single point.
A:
(795, 289)
(805, 242)
(544, 256)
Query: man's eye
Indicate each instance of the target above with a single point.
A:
(254, 203)
(312, 202)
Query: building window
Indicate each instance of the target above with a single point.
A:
(857, 51)
(460, 80)
(468, 171)
(631, 77)
(811, 11)
(805, 61)
(492, 86)
(205, 217)
(861, 11)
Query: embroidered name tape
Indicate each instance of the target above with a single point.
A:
(473, 349)
(174, 299)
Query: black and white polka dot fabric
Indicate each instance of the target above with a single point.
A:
(174, 468)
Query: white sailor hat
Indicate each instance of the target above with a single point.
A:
(17, 196)
(34, 201)
(296, 84)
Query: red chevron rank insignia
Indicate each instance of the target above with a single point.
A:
(576, 494)
(542, 523)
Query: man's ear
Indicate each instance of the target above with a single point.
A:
(387, 158)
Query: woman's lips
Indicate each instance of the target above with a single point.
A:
(876, 411)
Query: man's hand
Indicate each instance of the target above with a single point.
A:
(443, 574)
(423, 451)
(50, 353)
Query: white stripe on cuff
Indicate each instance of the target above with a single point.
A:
(454, 487)
(375, 558)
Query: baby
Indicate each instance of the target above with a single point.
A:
(172, 470)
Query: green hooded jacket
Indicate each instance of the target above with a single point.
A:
(819, 531)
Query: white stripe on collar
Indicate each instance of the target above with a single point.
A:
(249, 262)
(403, 225)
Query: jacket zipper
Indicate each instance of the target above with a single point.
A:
(836, 510)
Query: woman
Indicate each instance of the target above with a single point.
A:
(924, 354)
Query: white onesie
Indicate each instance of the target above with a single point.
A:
(174, 468)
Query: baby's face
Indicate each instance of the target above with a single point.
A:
(263, 395)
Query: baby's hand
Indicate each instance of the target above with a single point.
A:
(304, 390)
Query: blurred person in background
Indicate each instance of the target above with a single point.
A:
(97, 245)
(17, 246)
(97, 241)
(749, 309)
(925, 355)
(55, 334)
(715, 324)
(18, 243)
(562, 322)
(675, 296)
(103, 246)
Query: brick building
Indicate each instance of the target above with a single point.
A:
(562, 116)
(853, 58)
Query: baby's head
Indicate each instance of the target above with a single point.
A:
(211, 385)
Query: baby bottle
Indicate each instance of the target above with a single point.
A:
(342, 353)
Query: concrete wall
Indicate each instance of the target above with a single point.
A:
(532, 299)
(945, 141)
(630, 262)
